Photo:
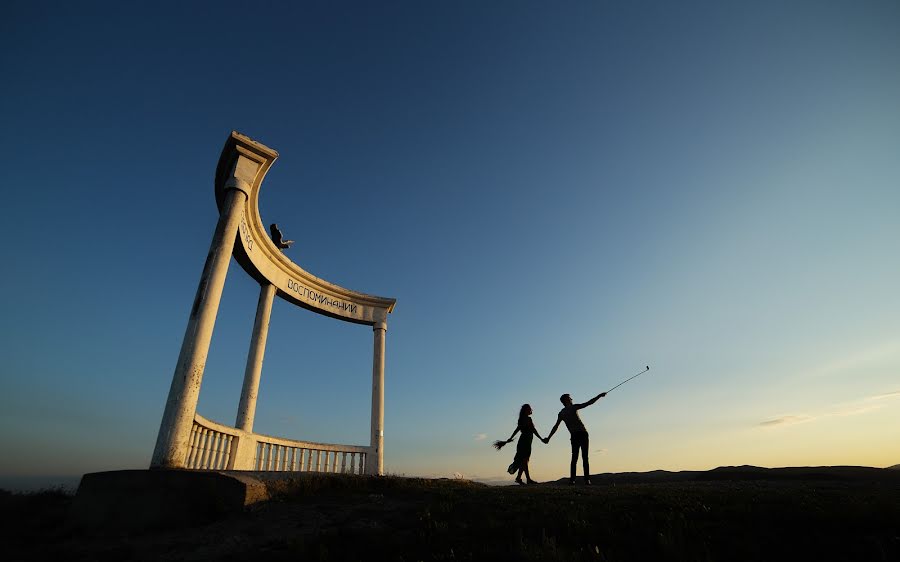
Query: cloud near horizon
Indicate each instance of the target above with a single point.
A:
(786, 420)
(479, 436)
(861, 406)
(895, 394)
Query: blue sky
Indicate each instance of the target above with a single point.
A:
(556, 195)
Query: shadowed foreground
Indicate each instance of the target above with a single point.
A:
(744, 513)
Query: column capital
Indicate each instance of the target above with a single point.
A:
(238, 184)
(381, 325)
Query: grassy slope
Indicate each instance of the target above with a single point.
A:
(844, 517)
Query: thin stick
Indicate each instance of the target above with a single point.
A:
(628, 379)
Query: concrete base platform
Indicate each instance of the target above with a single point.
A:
(129, 501)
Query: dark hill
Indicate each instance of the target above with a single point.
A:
(730, 513)
(747, 472)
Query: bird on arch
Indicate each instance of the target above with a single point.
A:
(278, 238)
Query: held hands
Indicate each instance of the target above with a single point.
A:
(602, 394)
(546, 440)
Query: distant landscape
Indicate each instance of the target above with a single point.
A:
(729, 513)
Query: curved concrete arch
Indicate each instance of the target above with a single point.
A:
(240, 233)
(243, 164)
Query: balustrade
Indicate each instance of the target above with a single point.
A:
(214, 446)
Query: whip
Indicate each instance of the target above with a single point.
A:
(647, 368)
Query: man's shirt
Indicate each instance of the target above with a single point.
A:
(569, 415)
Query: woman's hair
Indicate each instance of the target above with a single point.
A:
(523, 412)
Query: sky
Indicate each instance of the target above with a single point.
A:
(557, 194)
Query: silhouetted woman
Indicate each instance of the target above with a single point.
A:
(523, 448)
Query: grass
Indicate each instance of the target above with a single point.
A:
(406, 519)
(31, 517)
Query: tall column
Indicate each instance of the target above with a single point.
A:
(178, 418)
(375, 460)
(247, 407)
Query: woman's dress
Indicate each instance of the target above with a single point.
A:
(523, 447)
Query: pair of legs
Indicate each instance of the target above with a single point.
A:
(524, 468)
(580, 442)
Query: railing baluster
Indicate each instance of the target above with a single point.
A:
(223, 449)
(192, 451)
(220, 458)
(228, 440)
(352, 463)
(343, 462)
(213, 450)
(198, 449)
(334, 455)
(211, 446)
(204, 454)
(198, 446)
(201, 448)
(218, 451)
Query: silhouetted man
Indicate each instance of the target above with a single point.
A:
(580, 441)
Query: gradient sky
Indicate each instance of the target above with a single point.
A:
(557, 195)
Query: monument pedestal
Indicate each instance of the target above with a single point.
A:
(130, 501)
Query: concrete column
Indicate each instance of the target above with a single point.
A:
(178, 418)
(247, 407)
(375, 460)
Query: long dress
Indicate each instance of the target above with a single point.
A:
(523, 447)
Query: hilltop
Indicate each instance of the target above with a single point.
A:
(731, 513)
(748, 472)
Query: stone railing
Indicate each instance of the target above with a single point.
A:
(214, 446)
(277, 454)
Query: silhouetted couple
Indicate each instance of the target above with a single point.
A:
(579, 438)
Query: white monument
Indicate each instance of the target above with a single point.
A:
(188, 440)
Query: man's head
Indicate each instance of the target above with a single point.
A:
(566, 400)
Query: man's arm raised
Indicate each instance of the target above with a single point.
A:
(591, 401)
